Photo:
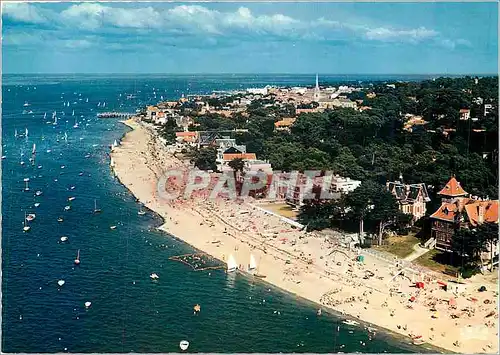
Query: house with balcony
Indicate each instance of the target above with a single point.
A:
(460, 210)
(412, 198)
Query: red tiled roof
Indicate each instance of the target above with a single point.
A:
(453, 189)
(447, 211)
(231, 156)
(489, 210)
(464, 110)
(185, 134)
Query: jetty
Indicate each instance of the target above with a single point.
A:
(115, 115)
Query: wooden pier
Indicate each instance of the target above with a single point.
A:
(115, 115)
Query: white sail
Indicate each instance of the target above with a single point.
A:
(33, 151)
(115, 143)
(65, 136)
(73, 113)
(54, 114)
(99, 104)
(231, 263)
(45, 115)
(253, 263)
(104, 105)
(87, 100)
(26, 132)
(15, 133)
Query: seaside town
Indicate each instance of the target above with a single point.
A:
(410, 241)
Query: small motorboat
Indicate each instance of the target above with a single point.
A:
(38, 193)
(67, 208)
(112, 227)
(49, 150)
(60, 219)
(184, 344)
(30, 217)
(88, 304)
(61, 283)
(72, 188)
(37, 204)
(39, 166)
(77, 260)
(26, 228)
(154, 276)
(80, 174)
(4, 157)
(63, 166)
(71, 198)
(350, 322)
(64, 239)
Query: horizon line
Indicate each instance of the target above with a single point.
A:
(238, 73)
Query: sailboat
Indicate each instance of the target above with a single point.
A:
(253, 263)
(76, 124)
(33, 151)
(45, 115)
(67, 104)
(96, 210)
(104, 104)
(65, 137)
(231, 264)
(99, 104)
(26, 133)
(77, 260)
(115, 143)
(55, 118)
(26, 228)
(87, 100)
(15, 133)
(73, 113)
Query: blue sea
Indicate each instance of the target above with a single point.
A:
(129, 312)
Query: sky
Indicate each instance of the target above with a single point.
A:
(183, 38)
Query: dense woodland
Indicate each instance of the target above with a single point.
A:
(372, 146)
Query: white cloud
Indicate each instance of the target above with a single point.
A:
(413, 35)
(23, 12)
(207, 25)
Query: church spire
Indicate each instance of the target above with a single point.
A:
(316, 90)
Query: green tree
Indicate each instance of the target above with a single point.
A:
(204, 159)
(487, 234)
(237, 165)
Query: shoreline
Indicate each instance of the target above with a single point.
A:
(139, 162)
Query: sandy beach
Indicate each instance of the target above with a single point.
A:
(309, 265)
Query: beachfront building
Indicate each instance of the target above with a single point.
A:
(152, 112)
(296, 189)
(344, 185)
(412, 198)
(460, 210)
(187, 137)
